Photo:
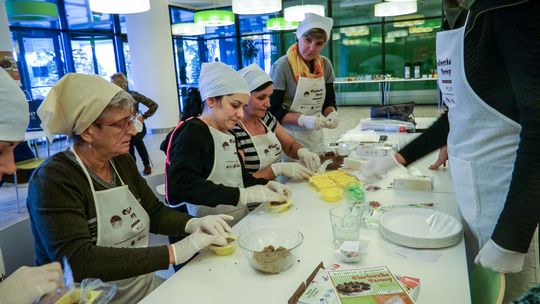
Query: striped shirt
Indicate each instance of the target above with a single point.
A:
(245, 143)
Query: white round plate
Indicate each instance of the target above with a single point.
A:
(420, 228)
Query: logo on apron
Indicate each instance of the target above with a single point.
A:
(116, 221)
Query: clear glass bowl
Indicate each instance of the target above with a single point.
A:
(270, 249)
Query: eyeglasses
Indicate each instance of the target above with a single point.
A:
(123, 124)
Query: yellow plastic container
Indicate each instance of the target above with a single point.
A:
(343, 181)
(324, 185)
(331, 195)
(279, 208)
(334, 174)
(225, 250)
(318, 178)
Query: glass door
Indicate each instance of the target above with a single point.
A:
(94, 55)
(41, 61)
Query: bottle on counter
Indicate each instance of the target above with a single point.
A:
(407, 74)
(417, 70)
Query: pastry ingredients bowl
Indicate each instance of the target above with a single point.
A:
(270, 249)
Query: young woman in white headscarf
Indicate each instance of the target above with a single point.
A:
(203, 167)
(304, 100)
(90, 204)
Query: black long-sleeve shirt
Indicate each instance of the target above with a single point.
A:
(191, 162)
(502, 67)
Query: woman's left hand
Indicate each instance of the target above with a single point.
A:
(212, 224)
(332, 120)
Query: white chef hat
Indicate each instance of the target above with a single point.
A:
(315, 21)
(254, 76)
(218, 79)
(74, 103)
(14, 115)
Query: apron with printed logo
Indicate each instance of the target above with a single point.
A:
(482, 148)
(308, 100)
(227, 170)
(122, 223)
(267, 146)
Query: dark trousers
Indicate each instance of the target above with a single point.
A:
(138, 143)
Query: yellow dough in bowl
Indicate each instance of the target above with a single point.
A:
(225, 250)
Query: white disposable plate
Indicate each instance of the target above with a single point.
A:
(420, 228)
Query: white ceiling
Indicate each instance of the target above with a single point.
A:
(200, 4)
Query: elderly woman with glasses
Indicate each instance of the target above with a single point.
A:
(90, 204)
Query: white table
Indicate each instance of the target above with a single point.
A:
(230, 279)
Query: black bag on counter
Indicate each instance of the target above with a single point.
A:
(400, 111)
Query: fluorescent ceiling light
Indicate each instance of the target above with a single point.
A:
(387, 9)
(297, 13)
(401, 21)
(279, 24)
(31, 11)
(419, 30)
(255, 7)
(214, 18)
(187, 29)
(119, 6)
(352, 31)
(397, 34)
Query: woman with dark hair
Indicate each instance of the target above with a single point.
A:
(203, 168)
(261, 139)
(304, 100)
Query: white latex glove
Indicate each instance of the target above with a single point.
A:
(495, 257)
(279, 188)
(186, 248)
(211, 224)
(260, 194)
(27, 284)
(376, 166)
(311, 122)
(332, 120)
(310, 159)
(293, 170)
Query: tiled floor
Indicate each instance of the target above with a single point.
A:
(350, 116)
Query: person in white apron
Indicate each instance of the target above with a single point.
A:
(203, 168)
(304, 99)
(485, 147)
(26, 284)
(91, 205)
(262, 140)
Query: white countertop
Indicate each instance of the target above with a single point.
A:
(230, 279)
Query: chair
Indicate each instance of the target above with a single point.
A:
(487, 286)
(155, 180)
(29, 164)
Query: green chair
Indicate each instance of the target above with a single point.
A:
(487, 286)
(29, 164)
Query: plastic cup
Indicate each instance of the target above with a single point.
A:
(346, 224)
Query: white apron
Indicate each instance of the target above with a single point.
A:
(308, 100)
(482, 147)
(267, 146)
(122, 223)
(227, 170)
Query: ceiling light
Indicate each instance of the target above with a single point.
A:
(387, 9)
(352, 31)
(401, 21)
(297, 13)
(119, 6)
(187, 29)
(31, 11)
(397, 34)
(279, 24)
(419, 30)
(214, 18)
(255, 7)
